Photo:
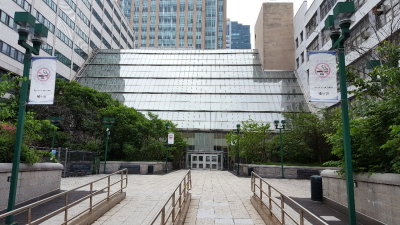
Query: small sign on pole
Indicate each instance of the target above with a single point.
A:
(322, 77)
(171, 138)
(43, 80)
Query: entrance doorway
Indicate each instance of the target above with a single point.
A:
(205, 161)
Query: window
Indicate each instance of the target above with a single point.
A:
(51, 4)
(314, 45)
(99, 2)
(311, 25)
(297, 63)
(297, 42)
(82, 34)
(96, 15)
(75, 67)
(71, 4)
(66, 19)
(47, 48)
(41, 19)
(106, 43)
(302, 57)
(83, 17)
(301, 36)
(325, 7)
(60, 35)
(96, 32)
(87, 4)
(93, 45)
(11, 52)
(63, 59)
(24, 4)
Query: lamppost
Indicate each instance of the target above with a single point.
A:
(238, 148)
(55, 120)
(166, 150)
(26, 22)
(341, 14)
(280, 128)
(108, 122)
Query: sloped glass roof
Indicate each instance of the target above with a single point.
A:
(203, 90)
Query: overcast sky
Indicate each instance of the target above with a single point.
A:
(246, 11)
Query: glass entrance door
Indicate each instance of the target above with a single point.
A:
(204, 161)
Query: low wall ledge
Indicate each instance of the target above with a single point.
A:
(7, 167)
(379, 178)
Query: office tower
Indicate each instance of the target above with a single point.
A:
(237, 35)
(199, 24)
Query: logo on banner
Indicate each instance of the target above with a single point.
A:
(43, 79)
(43, 74)
(322, 70)
(322, 77)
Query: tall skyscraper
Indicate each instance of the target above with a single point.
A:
(199, 24)
(237, 35)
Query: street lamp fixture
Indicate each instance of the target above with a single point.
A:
(280, 128)
(341, 16)
(26, 24)
(238, 149)
(107, 122)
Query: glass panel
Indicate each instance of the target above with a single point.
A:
(208, 158)
(194, 158)
(201, 166)
(214, 166)
(207, 166)
(194, 165)
(200, 158)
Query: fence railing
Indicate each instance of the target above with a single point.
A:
(278, 204)
(173, 208)
(114, 184)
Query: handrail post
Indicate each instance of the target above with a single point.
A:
(108, 188)
(282, 210)
(260, 188)
(66, 208)
(301, 217)
(269, 197)
(29, 215)
(180, 195)
(91, 197)
(122, 179)
(173, 207)
(163, 216)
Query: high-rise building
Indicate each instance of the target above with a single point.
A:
(76, 29)
(274, 36)
(237, 35)
(199, 24)
(373, 22)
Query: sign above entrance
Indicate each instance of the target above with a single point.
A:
(171, 138)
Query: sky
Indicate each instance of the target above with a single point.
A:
(246, 11)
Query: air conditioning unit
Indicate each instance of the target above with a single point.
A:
(366, 34)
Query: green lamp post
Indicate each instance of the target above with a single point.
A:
(238, 149)
(166, 145)
(55, 120)
(280, 128)
(339, 34)
(107, 122)
(26, 24)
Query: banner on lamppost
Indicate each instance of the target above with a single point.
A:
(43, 80)
(322, 76)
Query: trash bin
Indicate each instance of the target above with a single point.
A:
(150, 169)
(249, 170)
(316, 188)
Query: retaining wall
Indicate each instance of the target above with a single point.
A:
(113, 166)
(376, 195)
(33, 181)
(274, 171)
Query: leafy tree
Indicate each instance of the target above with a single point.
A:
(375, 116)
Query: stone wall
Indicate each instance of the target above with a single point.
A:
(158, 167)
(274, 171)
(33, 181)
(376, 195)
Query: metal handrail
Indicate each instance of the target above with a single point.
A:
(71, 204)
(171, 213)
(260, 193)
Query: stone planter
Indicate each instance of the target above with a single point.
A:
(274, 171)
(376, 195)
(33, 181)
(113, 166)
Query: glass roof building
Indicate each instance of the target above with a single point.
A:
(205, 92)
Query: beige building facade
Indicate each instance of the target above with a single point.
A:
(199, 24)
(274, 36)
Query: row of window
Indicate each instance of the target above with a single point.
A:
(47, 48)
(66, 19)
(82, 34)
(64, 38)
(80, 52)
(71, 4)
(83, 17)
(41, 19)
(24, 4)
(7, 20)
(11, 51)
(62, 58)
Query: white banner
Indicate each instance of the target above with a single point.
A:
(171, 138)
(322, 77)
(43, 80)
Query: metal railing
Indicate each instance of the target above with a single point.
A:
(94, 197)
(278, 204)
(172, 209)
